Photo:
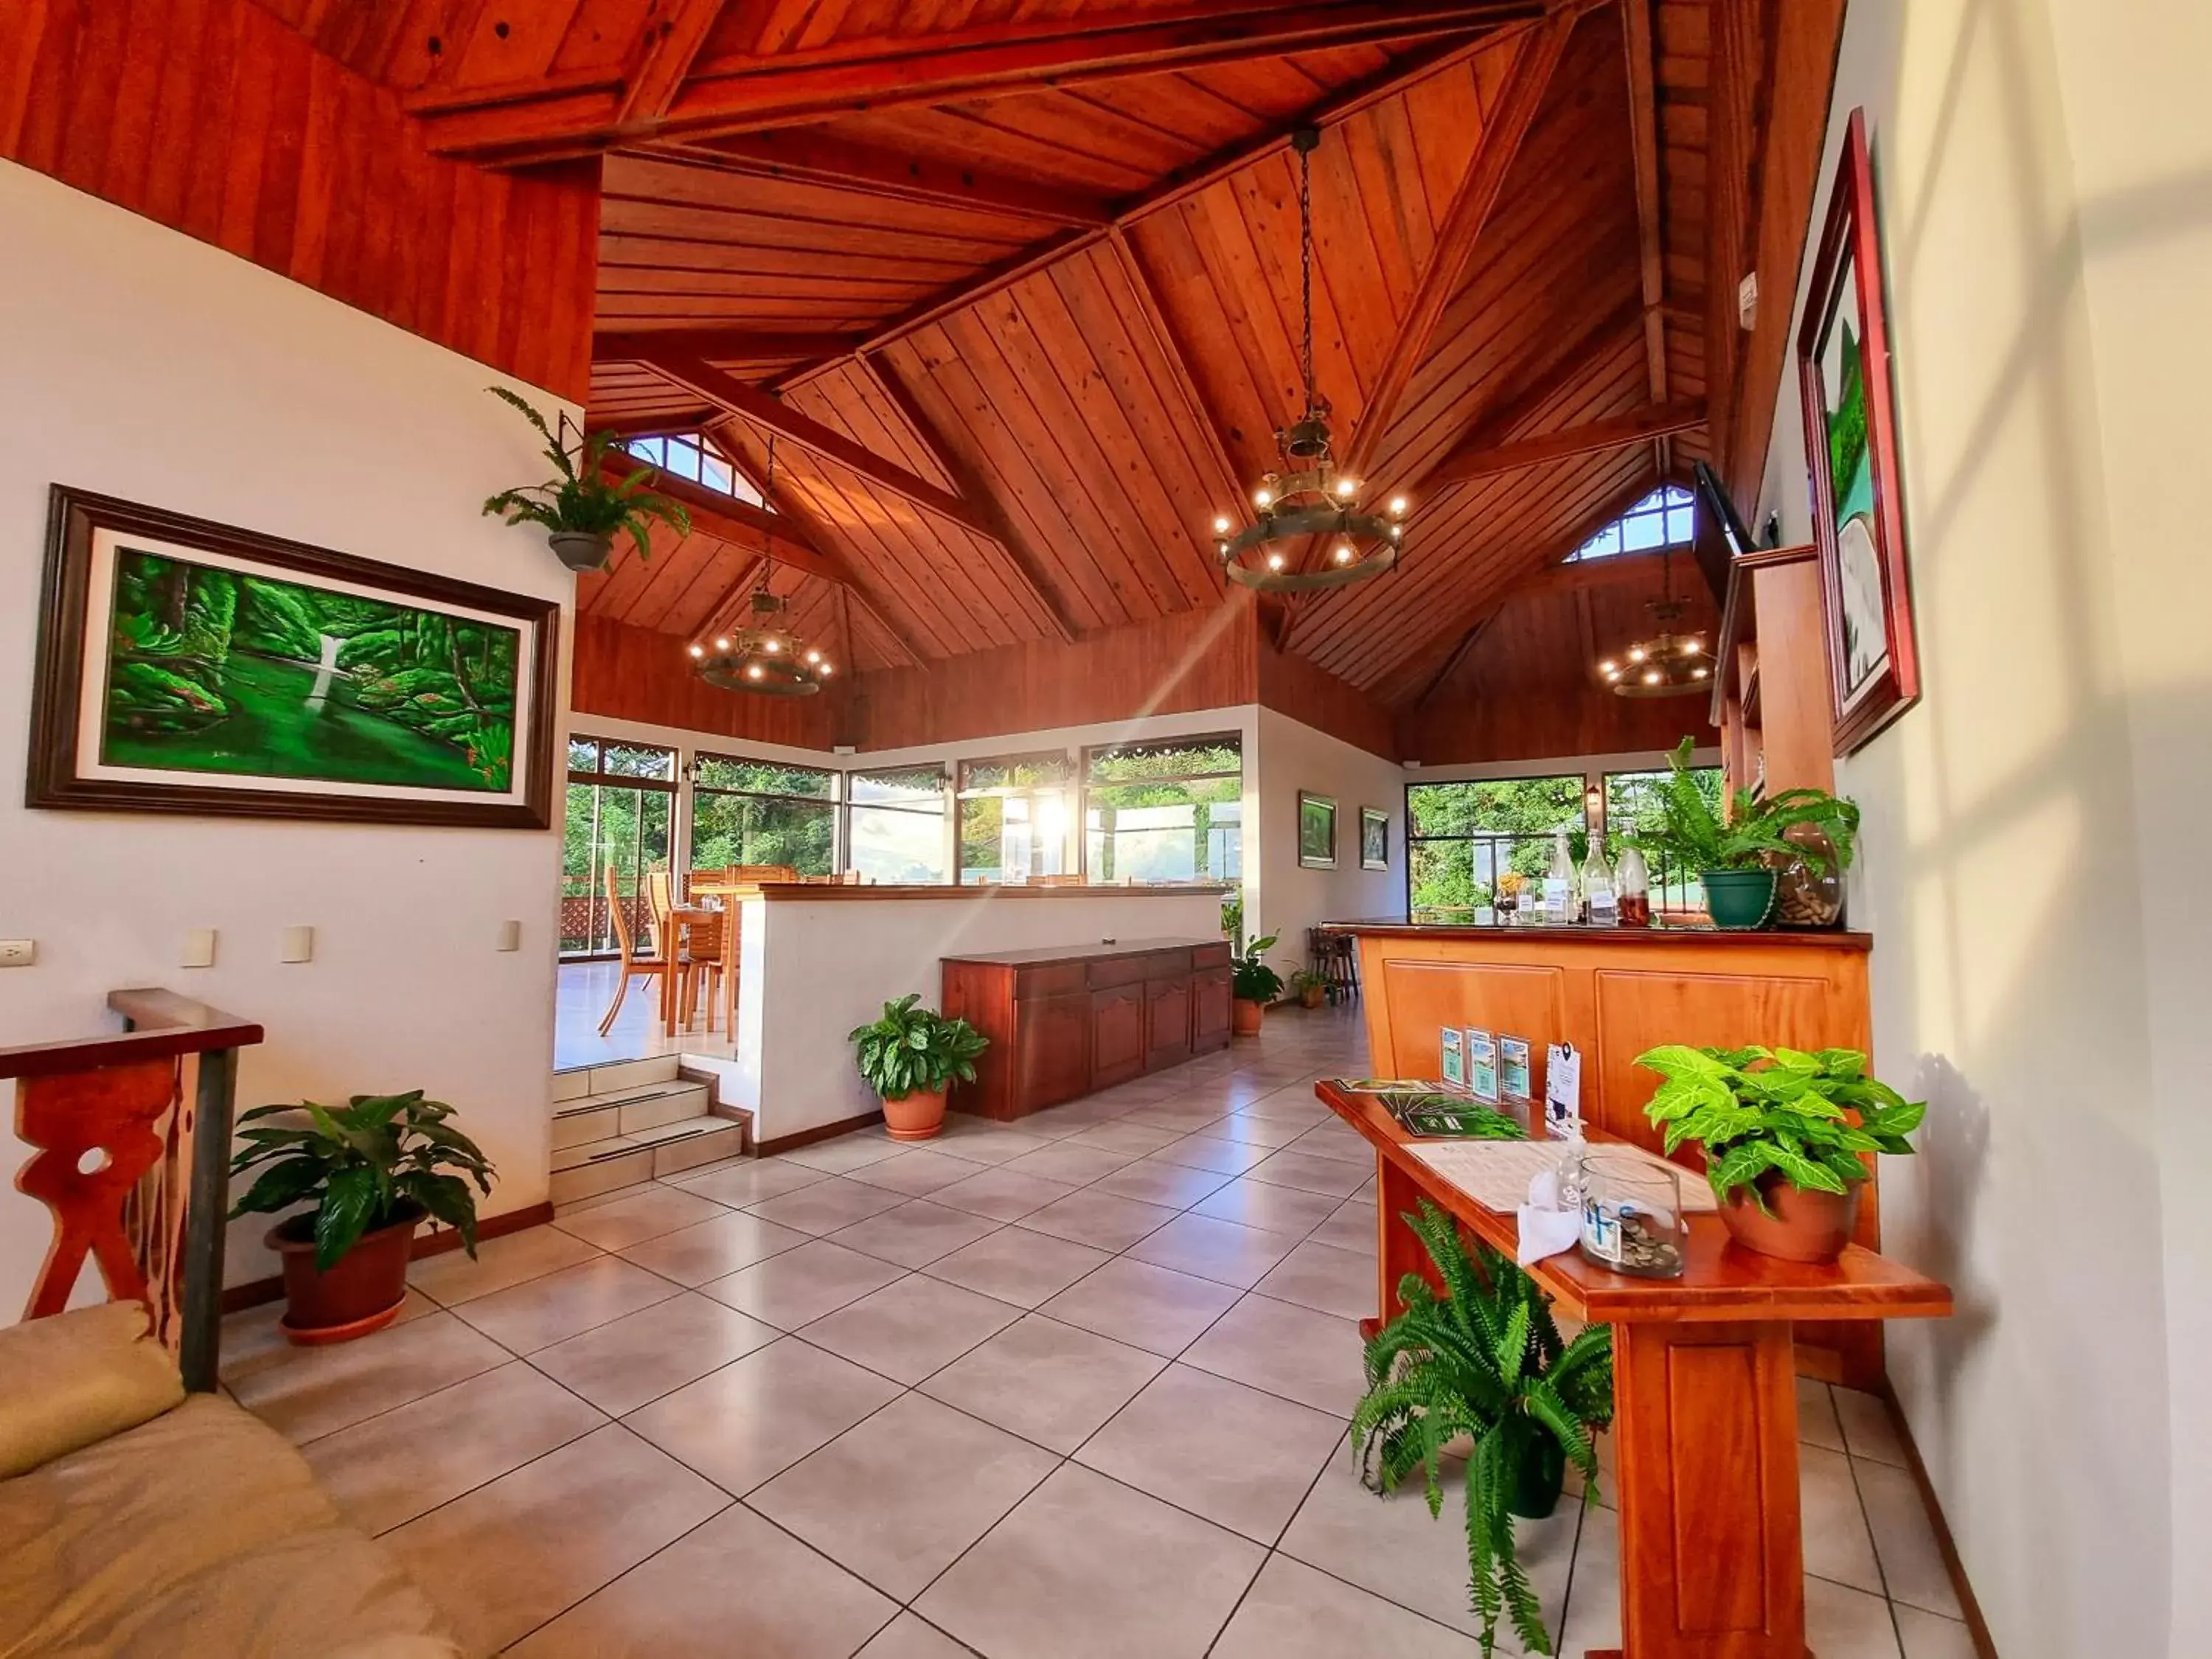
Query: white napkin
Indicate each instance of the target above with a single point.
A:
(1546, 1229)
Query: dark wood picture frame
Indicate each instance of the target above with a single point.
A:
(1374, 833)
(1848, 269)
(55, 779)
(1317, 858)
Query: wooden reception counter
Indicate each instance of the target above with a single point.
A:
(1614, 993)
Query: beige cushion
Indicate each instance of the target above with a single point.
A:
(78, 1378)
(201, 1532)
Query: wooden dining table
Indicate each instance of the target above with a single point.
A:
(681, 918)
(729, 892)
(1705, 1400)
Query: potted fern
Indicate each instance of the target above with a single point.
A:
(1784, 1135)
(910, 1057)
(581, 508)
(1311, 988)
(1253, 984)
(374, 1170)
(1738, 856)
(1484, 1362)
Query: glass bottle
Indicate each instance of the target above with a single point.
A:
(1598, 889)
(1559, 881)
(1631, 886)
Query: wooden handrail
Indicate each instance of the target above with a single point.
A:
(159, 1025)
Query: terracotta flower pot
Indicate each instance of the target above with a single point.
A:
(361, 1293)
(1312, 995)
(917, 1116)
(1806, 1226)
(1246, 1016)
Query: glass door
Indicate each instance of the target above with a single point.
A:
(621, 813)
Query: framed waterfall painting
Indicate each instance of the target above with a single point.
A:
(1316, 831)
(1374, 838)
(187, 666)
(1850, 444)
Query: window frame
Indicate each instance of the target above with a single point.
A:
(833, 800)
(1071, 790)
(1415, 839)
(598, 779)
(708, 450)
(1661, 503)
(949, 846)
(1087, 782)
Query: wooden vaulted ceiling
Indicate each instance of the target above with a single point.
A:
(1012, 286)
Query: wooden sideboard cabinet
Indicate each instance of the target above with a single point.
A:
(1065, 1021)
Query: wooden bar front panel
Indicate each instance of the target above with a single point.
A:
(1062, 1026)
(1613, 996)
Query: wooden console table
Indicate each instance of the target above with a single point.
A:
(1705, 1403)
(1066, 1020)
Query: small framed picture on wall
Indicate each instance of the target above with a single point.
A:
(1850, 453)
(1316, 831)
(1374, 838)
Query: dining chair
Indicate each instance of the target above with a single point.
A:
(635, 963)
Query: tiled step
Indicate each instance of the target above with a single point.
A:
(645, 1123)
(582, 1081)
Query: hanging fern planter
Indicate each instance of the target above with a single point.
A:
(580, 509)
(582, 549)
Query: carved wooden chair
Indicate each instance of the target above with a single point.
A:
(647, 964)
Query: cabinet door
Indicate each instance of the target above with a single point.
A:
(1052, 1050)
(1209, 1010)
(1117, 1035)
(1167, 1021)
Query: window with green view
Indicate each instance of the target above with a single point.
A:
(1013, 817)
(757, 811)
(621, 808)
(1461, 837)
(894, 824)
(1165, 811)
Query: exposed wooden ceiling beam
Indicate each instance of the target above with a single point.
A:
(1339, 106)
(810, 157)
(695, 376)
(1651, 222)
(730, 432)
(729, 345)
(720, 615)
(1449, 619)
(739, 523)
(1034, 574)
(1525, 83)
(1452, 663)
(1467, 464)
(1196, 410)
(675, 30)
(552, 117)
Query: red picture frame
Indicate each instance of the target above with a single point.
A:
(1851, 419)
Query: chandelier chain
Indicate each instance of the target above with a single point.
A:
(1306, 261)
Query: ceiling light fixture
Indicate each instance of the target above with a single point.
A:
(1669, 663)
(764, 657)
(1308, 501)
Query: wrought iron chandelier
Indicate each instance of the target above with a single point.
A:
(764, 657)
(1669, 663)
(1307, 503)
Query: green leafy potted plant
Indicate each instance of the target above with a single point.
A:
(373, 1170)
(1738, 858)
(1253, 983)
(1312, 989)
(1484, 1362)
(581, 508)
(910, 1057)
(1783, 1133)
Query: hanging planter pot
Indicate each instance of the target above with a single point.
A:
(1739, 900)
(582, 549)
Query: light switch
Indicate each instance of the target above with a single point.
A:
(199, 948)
(296, 944)
(18, 952)
(510, 935)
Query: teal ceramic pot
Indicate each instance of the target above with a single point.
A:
(1739, 900)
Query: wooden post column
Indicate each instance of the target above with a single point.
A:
(1705, 1430)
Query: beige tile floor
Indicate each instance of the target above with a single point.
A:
(1072, 1387)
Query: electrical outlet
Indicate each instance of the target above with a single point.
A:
(18, 952)
(199, 948)
(296, 944)
(510, 936)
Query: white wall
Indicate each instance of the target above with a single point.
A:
(2033, 858)
(138, 362)
(1290, 898)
